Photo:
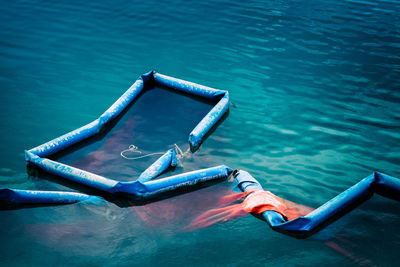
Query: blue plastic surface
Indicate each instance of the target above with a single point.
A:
(92, 128)
(167, 160)
(14, 196)
(136, 189)
(198, 133)
(303, 227)
(172, 183)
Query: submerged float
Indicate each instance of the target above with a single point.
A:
(146, 186)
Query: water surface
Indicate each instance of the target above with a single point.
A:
(316, 93)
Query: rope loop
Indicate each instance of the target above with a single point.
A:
(134, 149)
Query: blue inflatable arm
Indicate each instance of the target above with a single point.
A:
(136, 189)
(303, 227)
(13, 196)
(92, 128)
(188, 87)
(159, 166)
(169, 184)
(197, 135)
(71, 173)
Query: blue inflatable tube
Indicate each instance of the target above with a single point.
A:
(197, 135)
(167, 160)
(10, 197)
(169, 184)
(136, 189)
(205, 125)
(303, 227)
(92, 128)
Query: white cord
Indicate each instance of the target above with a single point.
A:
(135, 149)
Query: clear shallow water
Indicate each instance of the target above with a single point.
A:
(316, 90)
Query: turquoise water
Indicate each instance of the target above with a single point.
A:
(316, 93)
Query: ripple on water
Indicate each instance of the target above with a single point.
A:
(316, 91)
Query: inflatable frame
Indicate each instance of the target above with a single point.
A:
(147, 187)
(143, 187)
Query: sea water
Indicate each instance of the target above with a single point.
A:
(315, 91)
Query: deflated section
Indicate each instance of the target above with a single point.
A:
(307, 225)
